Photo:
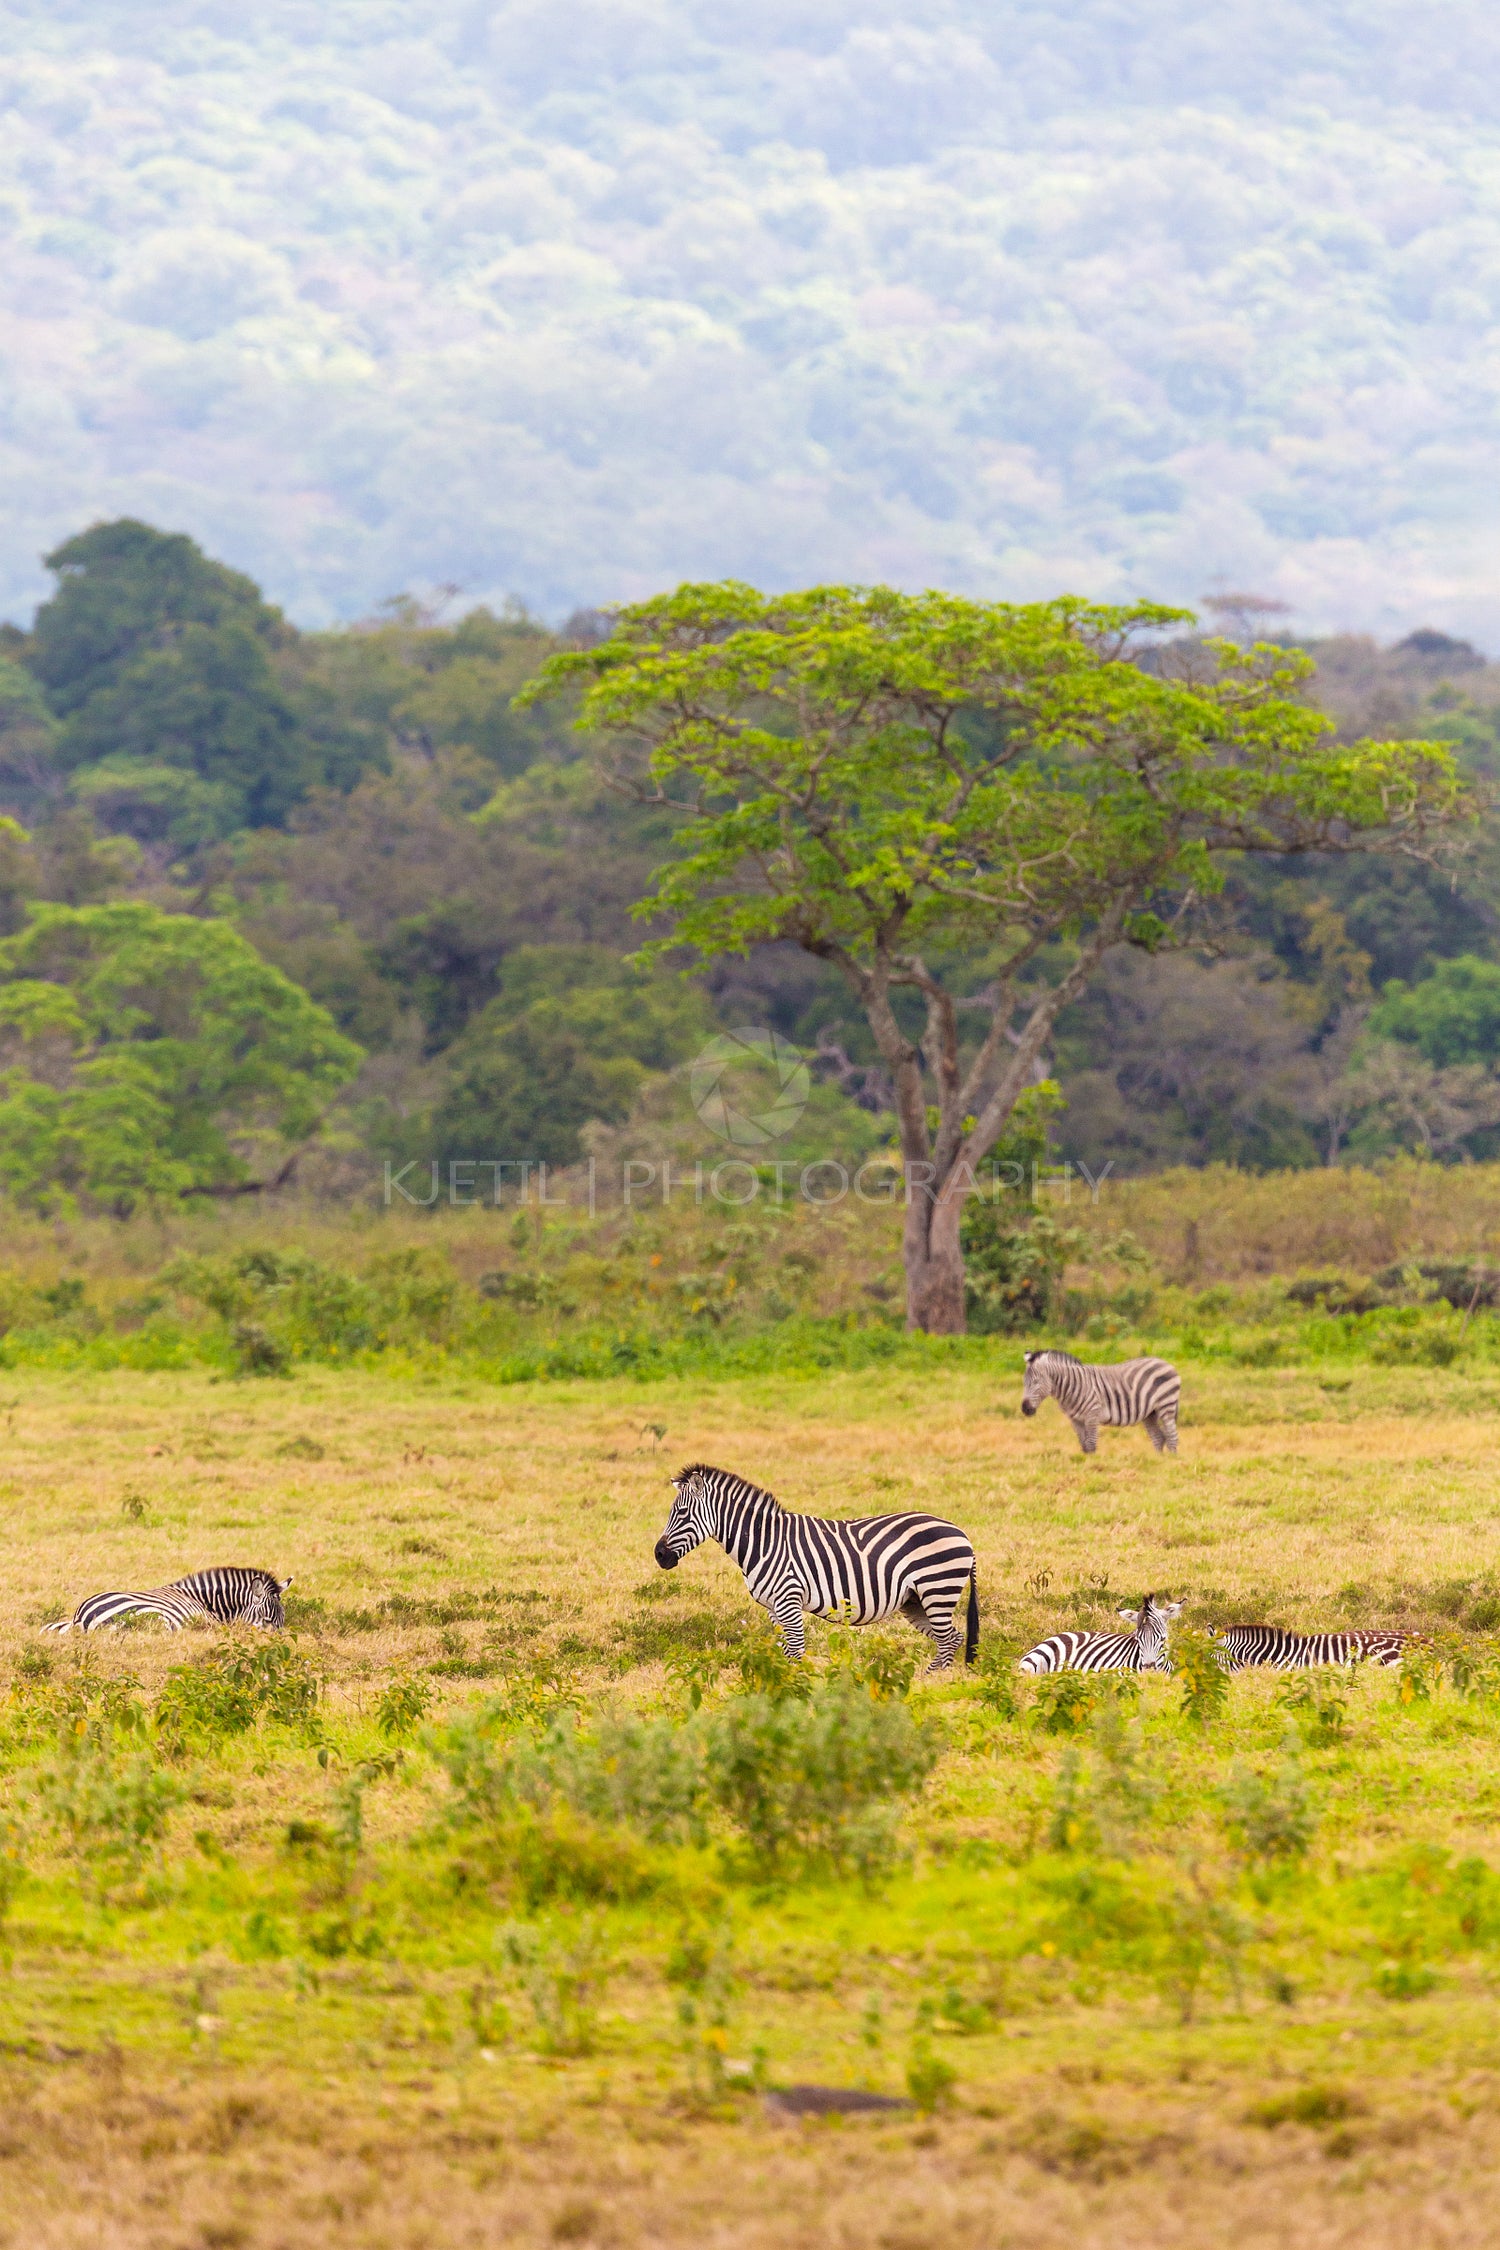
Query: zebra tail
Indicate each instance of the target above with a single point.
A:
(971, 1622)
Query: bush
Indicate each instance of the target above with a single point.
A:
(1317, 1703)
(111, 1809)
(402, 1706)
(642, 1773)
(818, 1781)
(998, 1681)
(73, 1707)
(1199, 1669)
(1268, 1817)
(564, 1983)
(1065, 1702)
(229, 1689)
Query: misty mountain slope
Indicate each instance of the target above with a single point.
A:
(573, 300)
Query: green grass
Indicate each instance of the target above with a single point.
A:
(248, 1943)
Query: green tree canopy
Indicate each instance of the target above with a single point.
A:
(172, 679)
(571, 1037)
(907, 785)
(145, 1054)
(1453, 1016)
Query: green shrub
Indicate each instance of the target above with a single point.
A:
(1268, 1817)
(564, 1982)
(878, 1662)
(1102, 1805)
(401, 1706)
(1199, 1669)
(1317, 1703)
(71, 1706)
(997, 1679)
(1066, 1702)
(817, 1781)
(929, 2079)
(700, 1967)
(110, 1809)
(1420, 1675)
(640, 1773)
(535, 1858)
(1307, 2105)
(227, 1690)
(765, 1669)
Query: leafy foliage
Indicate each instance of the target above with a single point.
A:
(877, 777)
(151, 1054)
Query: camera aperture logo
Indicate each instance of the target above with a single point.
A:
(749, 1087)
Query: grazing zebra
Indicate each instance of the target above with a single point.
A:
(219, 1597)
(1138, 1390)
(866, 1568)
(1244, 1645)
(1144, 1650)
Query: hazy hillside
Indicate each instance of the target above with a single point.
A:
(578, 299)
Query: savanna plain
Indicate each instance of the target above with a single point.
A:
(467, 1915)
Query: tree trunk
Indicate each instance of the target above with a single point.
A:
(934, 1261)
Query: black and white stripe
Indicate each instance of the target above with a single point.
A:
(227, 1596)
(1244, 1645)
(868, 1567)
(1137, 1390)
(1144, 1650)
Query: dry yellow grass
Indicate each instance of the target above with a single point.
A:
(161, 2095)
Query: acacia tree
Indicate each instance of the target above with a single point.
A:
(905, 785)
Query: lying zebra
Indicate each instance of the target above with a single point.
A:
(1137, 1390)
(1144, 1650)
(1244, 1645)
(227, 1596)
(872, 1566)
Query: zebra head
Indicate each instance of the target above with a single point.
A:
(1038, 1383)
(265, 1606)
(1152, 1621)
(694, 1518)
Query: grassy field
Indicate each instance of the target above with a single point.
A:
(1156, 1978)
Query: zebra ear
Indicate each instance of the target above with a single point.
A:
(282, 1585)
(1028, 1357)
(1132, 1614)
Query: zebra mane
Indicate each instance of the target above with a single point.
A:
(707, 1469)
(1052, 1352)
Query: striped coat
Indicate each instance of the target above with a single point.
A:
(1137, 1390)
(226, 1596)
(1244, 1645)
(1142, 1650)
(915, 1566)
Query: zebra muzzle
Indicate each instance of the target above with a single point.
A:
(665, 1556)
(1027, 1407)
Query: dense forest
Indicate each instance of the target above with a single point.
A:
(264, 890)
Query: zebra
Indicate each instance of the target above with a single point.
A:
(227, 1596)
(862, 1568)
(1244, 1645)
(1143, 1650)
(1137, 1390)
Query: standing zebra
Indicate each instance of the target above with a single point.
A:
(1137, 1390)
(870, 1567)
(228, 1596)
(1243, 1645)
(1144, 1650)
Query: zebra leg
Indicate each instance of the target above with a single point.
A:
(788, 1616)
(943, 1637)
(1087, 1434)
(1156, 1432)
